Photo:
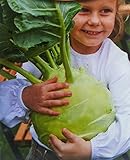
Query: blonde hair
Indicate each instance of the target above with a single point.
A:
(118, 30)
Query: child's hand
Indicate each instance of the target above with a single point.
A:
(41, 97)
(74, 149)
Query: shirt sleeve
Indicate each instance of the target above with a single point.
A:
(116, 140)
(12, 110)
(30, 67)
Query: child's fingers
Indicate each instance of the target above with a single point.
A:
(57, 102)
(53, 84)
(47, 111)
(53, 147)
(56, 86)
(53, 80)
(56, 143)
(69, 135)
(58, 94)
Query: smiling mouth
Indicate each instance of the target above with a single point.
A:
(92, 32)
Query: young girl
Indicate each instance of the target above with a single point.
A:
(92, 48)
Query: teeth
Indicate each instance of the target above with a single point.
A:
(92, 32)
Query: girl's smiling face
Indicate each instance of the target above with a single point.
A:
(93, 24)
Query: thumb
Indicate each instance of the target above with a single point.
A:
(69, 135)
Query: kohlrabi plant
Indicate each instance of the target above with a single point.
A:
(38, 31)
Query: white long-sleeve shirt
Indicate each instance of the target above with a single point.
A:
(111, 66)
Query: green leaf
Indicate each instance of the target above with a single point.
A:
(39, 49)
(27, 22)
(33, 25)
(1, 12)
(7, 49)
(38, 22)
(69, 9)
(7, 15)
(35, 37)
(34, 7)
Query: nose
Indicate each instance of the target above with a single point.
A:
(94, 19)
